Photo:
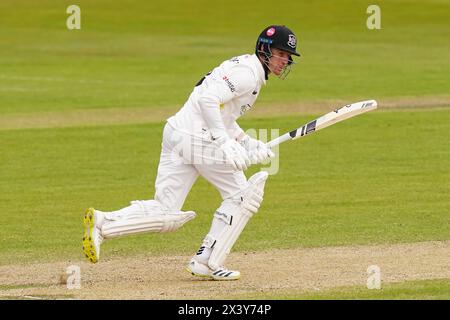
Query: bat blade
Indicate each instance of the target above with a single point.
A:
(335, 116)
(338, 115)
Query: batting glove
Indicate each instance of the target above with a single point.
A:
(257, 150)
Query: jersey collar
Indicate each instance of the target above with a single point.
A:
(258, 67)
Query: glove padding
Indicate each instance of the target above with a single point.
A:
(257, 150)
(235, 154)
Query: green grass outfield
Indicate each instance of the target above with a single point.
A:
(152, 53)
(379, 178)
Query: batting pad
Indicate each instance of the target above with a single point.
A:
(251, 200)
(166, 222)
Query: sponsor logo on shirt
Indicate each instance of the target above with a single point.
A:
(245, 108)
(230, 85)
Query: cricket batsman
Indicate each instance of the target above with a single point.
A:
(203, 138)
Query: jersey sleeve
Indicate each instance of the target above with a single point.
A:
(234, 130)
(238, 81)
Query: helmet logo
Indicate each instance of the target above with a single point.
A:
(270, 32)
(292, 42)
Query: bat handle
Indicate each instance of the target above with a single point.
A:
(278, 140)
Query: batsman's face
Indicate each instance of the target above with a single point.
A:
(278, 61)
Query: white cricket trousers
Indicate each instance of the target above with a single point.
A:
(183, 158)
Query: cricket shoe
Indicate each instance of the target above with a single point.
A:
(92, 238)
(202, 270)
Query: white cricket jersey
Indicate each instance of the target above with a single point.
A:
(232, 88)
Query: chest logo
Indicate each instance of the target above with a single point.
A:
(245, 108)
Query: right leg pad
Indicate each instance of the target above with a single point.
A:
(235, 213)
